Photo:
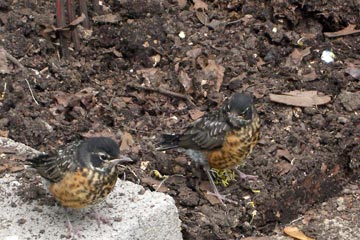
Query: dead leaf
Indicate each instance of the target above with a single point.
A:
(4, 67)
(78, 20)
(346, 31)
(296, 233)
(309, 76)
(283, 168)
(352, 69)
(155, 184)
(14, 169)
(205, 187)
(296, 57)
(301, 98)
(203, 18)
(4, 133)
(216, 72)
(152, 76)
(185, 81)
(107, 18)
(126, 142)
(194, 53)
(102, 133)
(182, 3)
(283, 153)
(198, 4)
(196, 114)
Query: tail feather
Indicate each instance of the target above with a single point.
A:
(168, 141)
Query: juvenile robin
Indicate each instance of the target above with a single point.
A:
(222, 139)
(81, 173)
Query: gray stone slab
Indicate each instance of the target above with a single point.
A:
(134, 214)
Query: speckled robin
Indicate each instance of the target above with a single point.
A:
(81, 173)
(222, 139)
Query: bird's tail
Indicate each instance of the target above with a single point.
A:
(168, 141)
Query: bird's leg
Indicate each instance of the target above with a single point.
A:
(244, 176)
(72, 231)
(216, 193)
(100, 219)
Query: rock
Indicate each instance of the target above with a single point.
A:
(133, 212)
(350, 100)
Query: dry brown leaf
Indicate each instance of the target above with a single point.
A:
(194, 53)
(152, 76)
(4, 67)
(203, 18)
(126, 141)
(185, 81)
(309, 76)
(78, 20)
(198, 4)
(107, 18)
(205, 187)
(214, 71)
(4, 133)
(352, 69)
(196, 114)
(182, 3)
(296, 57)
(346, 31)
(155, 184)
(296, 233)
(283, 167)
(301, 98)
(283, 153)
(16, 168)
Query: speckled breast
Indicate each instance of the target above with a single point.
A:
(237, 146)
(83, 187)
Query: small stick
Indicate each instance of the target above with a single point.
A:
(12, 59)
(31, 92)
(74, 32)
(84, 10)
(60, 22)
(17, 63)
(164, 92)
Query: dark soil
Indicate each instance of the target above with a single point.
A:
(306, 154)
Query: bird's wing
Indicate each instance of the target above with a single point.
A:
(54, 166)
(206, 133)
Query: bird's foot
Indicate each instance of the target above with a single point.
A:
(100, 219)
(72, 231)
(246, 177)
(221, 198)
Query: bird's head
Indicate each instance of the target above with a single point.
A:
(240, 109)
(100, 153)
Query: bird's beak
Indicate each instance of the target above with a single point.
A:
(122, 159)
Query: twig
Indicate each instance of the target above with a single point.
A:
(17, 63)
(12, 59)
(84, 10)
(164, 92)
(60, 22)
(74, 32)
(31, 92)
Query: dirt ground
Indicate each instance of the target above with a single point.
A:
(200, 52)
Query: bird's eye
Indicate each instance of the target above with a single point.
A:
(103, 156)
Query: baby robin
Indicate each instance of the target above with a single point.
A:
(81, 173)
(222, 139)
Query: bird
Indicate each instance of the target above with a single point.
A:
(81, 173)
(221, 139)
